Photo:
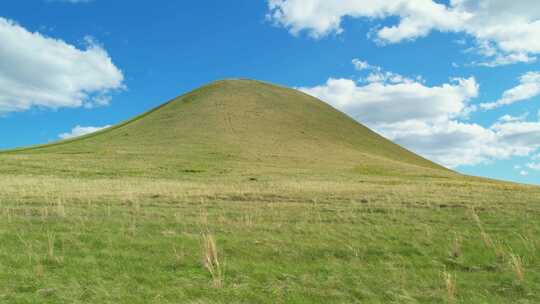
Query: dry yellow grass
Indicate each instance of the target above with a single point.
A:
(451, 287)
(517, 266)
(211, 259)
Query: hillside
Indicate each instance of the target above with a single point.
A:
(229, 125)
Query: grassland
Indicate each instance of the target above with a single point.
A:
(174, 208)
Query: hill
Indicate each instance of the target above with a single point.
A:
(231, 125)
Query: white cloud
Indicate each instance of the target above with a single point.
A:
(380, 102)
(38, 71)
(360, 64)
(389, 77)
(534, 166)
(378, 74)
(520, 134)
(454, 143)
(448, 142)
(499, 59)
(517, 138)
(321, 17)
(426, 119)
(523, 173)
(529, 87)
(510, 118)
(80, 131)
(510, 30)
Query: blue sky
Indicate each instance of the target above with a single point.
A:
(442, 78)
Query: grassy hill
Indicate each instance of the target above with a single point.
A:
(230, 125)
(246, 192)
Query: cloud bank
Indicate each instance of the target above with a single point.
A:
(430, 119)
(505, 31)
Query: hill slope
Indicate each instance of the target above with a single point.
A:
(232, 124)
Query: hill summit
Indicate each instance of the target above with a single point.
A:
(233, 124)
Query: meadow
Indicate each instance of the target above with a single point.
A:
(371, 240)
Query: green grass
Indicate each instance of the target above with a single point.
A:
(304, 205)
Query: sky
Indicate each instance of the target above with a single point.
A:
(456, 81)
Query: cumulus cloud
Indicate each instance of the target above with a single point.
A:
(506, 31)
(381, 102)
(80, 131)
(523, 137)
(427, 119)
(321, 17)
(529, 87)
(449, 142)
(39, 71)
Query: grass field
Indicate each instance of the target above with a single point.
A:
(243, 192)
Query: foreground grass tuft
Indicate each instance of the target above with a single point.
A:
(211, 260)
(451, 287)
(517, 266)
